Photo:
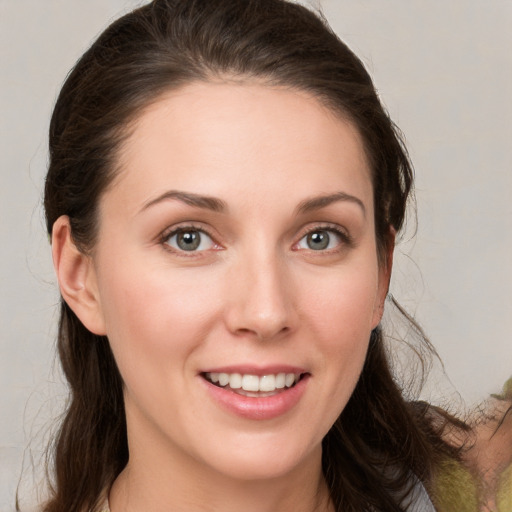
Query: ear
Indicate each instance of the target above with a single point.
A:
(76, 277)
(385, 267)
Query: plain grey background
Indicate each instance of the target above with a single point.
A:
(444, 71)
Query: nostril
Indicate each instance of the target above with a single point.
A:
(267, 332)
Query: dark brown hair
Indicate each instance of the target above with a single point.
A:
(380, 443)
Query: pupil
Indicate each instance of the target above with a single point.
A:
(318, 240)
(188, 240)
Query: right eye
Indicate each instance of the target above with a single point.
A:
(189, 240)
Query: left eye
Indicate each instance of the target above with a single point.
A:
(320, 240)
(190, 240)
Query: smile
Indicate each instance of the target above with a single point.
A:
(253, 385)
(256, 394)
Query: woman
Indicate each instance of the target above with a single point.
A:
(223, 196)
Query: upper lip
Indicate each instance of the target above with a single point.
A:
(251, 369)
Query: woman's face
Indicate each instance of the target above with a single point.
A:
(237, 248)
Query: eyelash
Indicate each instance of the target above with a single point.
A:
(344, 236)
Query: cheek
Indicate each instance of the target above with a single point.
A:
(343, 304)
(342, 311)
(155, 318)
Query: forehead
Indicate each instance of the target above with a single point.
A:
(232, 138)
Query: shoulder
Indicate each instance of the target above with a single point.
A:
(483, 474)
(418, 500)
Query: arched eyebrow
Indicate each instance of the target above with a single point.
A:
(197, 200)
(218, 205)
(318, 202)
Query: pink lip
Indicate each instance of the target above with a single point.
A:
(257, 408)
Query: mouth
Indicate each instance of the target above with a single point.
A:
(254, 385)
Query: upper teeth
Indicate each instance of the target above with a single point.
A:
(253, 382)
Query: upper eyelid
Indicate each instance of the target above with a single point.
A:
(325, 226)
(185, 226)
(171, 231)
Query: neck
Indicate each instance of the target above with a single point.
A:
(131, 493)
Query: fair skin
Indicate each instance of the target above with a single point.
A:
(491, 453)
(238, 238)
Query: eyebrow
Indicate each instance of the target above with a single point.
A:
(218, 205)
(316, 203)
(199, 201)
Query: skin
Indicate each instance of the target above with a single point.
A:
(255, 293)
(484, 474)
(491, 453)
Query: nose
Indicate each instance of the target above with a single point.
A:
(261, 302)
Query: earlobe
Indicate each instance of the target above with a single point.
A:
(76, 277)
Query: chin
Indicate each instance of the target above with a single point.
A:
(264, 462)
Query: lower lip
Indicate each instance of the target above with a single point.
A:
(258, 408)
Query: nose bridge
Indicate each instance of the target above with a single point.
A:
(262, 302)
